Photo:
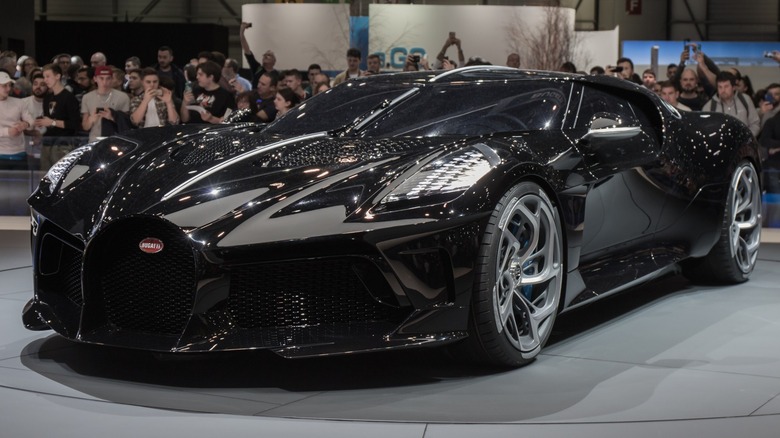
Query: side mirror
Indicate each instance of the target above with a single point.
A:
(608, 127)
(604, 122)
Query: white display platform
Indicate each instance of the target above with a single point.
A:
(665, 359)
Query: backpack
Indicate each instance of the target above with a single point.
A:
(714, 104)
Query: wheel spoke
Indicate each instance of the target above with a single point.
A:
(511, 246)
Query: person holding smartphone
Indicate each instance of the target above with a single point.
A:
(98, 104)
(768, 105)
(706, 70)
(154, 107)
(624, 68)
(452, 40)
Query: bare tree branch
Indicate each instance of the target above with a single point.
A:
(547, 45)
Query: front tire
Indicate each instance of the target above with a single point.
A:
(734, 256)
(519, 279)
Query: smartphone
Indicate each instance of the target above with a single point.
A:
(698, 48)
(415, 58)
(99, 110)
(188, 87)
(769, 98)
(452, 34)
(686, 42)
(617, 69)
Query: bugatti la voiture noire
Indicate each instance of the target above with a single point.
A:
(465, 208)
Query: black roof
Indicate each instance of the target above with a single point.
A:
(498, 73)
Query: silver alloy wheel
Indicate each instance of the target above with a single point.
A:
(529, 273)
(745, 228)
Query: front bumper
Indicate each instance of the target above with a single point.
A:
(106, 292)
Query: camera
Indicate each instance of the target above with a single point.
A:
(415, 58)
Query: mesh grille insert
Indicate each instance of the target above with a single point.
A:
(150, 293)
(217, 147)
(329, 151)
(303, 293)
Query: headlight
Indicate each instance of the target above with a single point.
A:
(450, 174)
(62, 167)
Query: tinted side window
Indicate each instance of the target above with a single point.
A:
(596, 103)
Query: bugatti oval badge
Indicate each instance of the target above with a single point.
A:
(151, 245)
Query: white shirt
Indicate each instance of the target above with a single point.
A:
(12, 111)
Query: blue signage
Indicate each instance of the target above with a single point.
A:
(722, 53)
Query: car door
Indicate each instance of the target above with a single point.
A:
(620, 146)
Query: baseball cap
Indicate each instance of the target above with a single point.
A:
(5, 78)
(103, 70)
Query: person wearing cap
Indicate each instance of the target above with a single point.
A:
(99, 103)
(60, 118)
(14, 120)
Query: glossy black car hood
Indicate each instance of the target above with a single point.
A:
(210, 175)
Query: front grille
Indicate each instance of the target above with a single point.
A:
(137, 291)
(303, 293)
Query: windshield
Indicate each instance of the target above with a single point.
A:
(336, 108)
(450, 109)
(477, 109)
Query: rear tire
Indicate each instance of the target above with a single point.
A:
(520, 276)
(734, 256)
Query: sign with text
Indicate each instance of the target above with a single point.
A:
(634, 7)
(393, 31)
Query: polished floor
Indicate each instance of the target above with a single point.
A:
(664, 360)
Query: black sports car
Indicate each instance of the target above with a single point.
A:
(467, 207)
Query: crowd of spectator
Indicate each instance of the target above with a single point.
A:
(60, 103)
(697, 83)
